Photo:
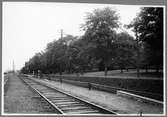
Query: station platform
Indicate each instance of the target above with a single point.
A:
(114, 102)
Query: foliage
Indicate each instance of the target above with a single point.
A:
(101, 47)
(100, 33)
(125, 50)
(149, 29)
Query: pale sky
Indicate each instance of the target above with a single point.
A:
(29, 26)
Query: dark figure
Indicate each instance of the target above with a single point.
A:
(89, 86)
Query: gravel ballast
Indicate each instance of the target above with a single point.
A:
(20, 99)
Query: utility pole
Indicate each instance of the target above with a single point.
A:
(138, 53)
(61, 33)
(13, 67)
(61, 64)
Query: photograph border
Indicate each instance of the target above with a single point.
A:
(147, 3)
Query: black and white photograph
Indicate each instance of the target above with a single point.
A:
(62, 58)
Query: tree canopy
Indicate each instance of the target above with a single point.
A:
(102, 47)
(148, 25)
(100, 32)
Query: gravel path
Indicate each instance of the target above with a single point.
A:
(20, 99)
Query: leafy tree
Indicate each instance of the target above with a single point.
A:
(149, 28)
(125, 50)
(59, 53)
(100, 32)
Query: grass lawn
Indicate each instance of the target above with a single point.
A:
(150, 82)
(132, 73)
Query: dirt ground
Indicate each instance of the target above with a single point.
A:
(20, 99)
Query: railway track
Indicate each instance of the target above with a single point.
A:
(65, 103)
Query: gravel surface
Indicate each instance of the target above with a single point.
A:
(111, 101)
(20, 99)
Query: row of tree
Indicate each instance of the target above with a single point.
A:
(102, 48)
(148, 27)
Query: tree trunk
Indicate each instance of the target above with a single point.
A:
(157, 69)
(60, 72)
(121, 70)
(138, 72)
(101, 66)
(138, 53)
(127, 69)
(105, 70)
(146, 69)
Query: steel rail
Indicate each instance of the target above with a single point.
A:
(83, 100)
(40, 94)
(94, 107)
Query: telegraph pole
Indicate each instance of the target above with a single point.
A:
(138, 54)
(13, 67)
(61, 64)
(61, 33)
